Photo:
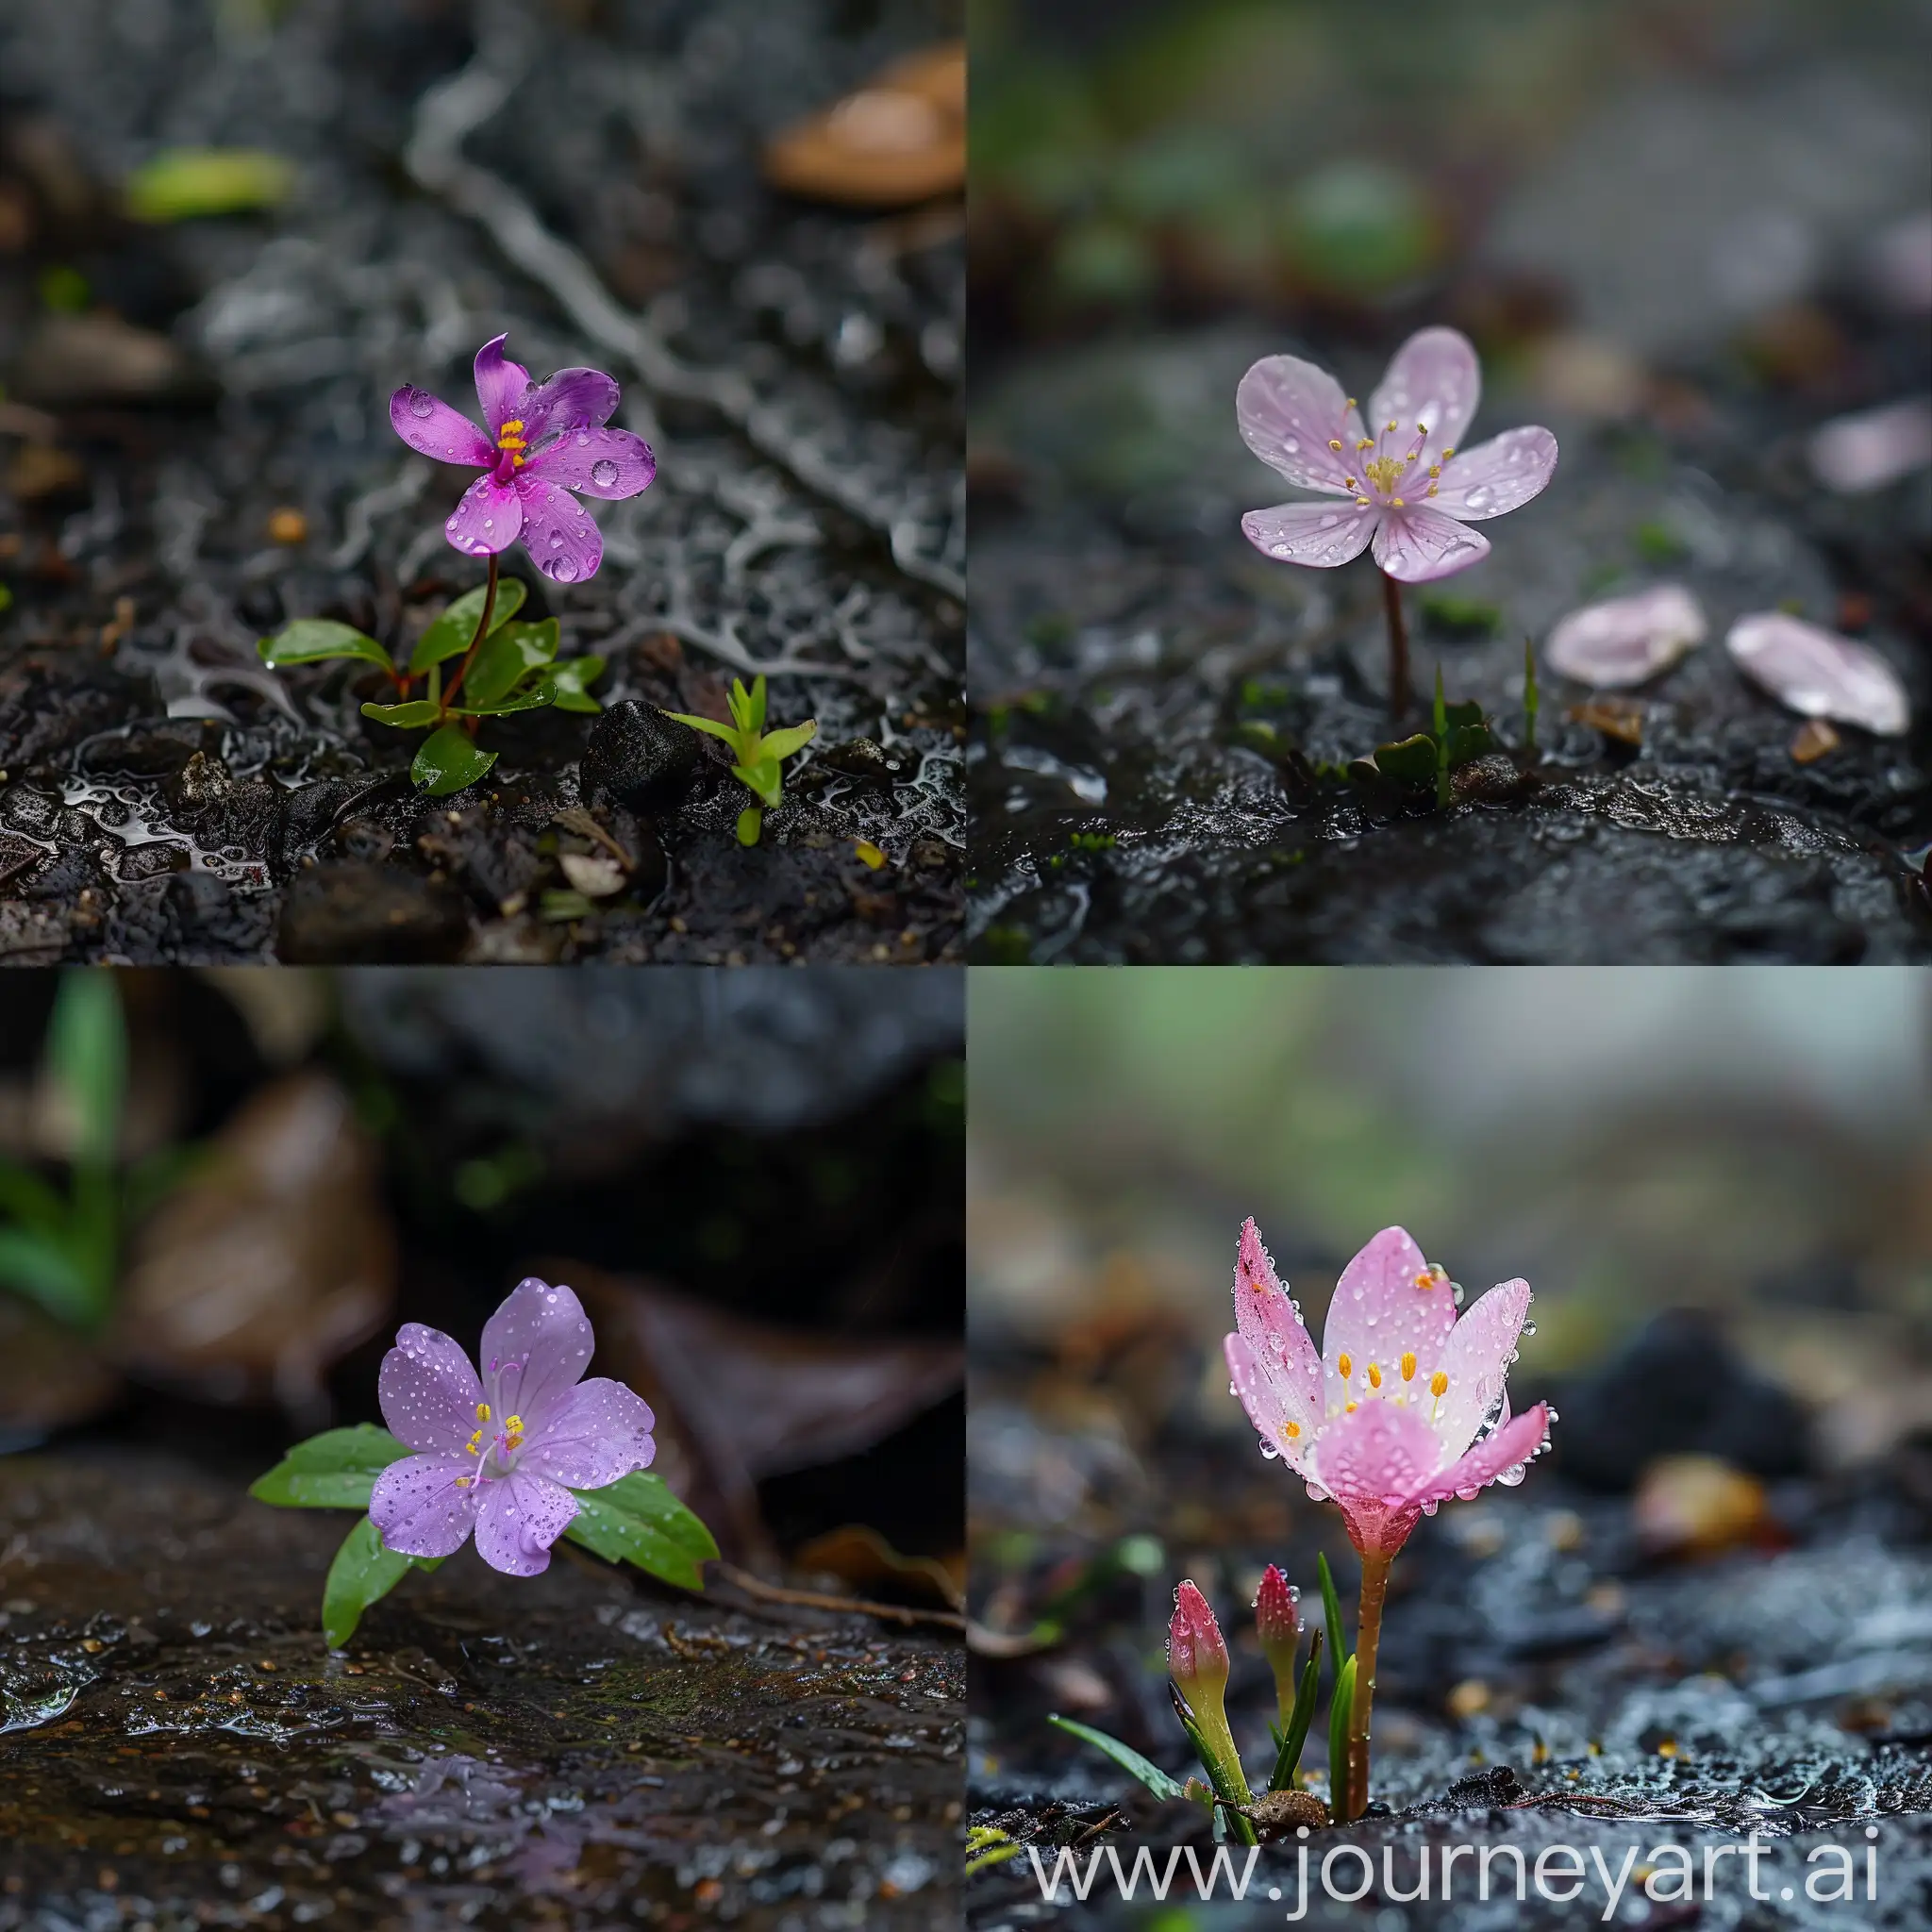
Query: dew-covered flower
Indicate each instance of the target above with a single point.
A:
(501, 1454)
(545, 440)
(1196, 1651)
(1410, 487)
(1404, 1406)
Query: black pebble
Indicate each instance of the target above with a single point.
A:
(638, 758)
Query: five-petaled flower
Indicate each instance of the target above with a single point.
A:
(1404, 1406)
(501, 1455)
(1408, 485)
(545, 440)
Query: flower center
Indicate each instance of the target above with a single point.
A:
(1388, 468)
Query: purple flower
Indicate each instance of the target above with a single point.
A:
(502, 1455)
(545, 440)
(1409, 490)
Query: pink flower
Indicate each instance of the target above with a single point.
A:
(1408, 488)
(502, 1455)
(545, 440)
(1405, 1407)
(1196, 1651)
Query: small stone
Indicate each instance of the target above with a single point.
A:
(594, 876)
(1697, 1505)
(1812, 740)
(1469, 1698)
(1626, 641)
(287, 525)
(864, 758)
(369, 915)
(1617, 718)
(1818, 674)
(1278, 1814)
(640, 758)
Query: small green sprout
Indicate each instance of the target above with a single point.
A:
(758, 752)
(506, 667)
(1531, 703)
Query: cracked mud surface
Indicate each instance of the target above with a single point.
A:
(461, 172)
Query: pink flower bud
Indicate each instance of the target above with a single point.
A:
(1196, 1652)
(1279, 1625)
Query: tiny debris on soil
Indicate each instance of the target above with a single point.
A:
(580, 1748)
(212, 458)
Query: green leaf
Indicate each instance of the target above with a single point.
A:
(1229, 1782)
(764, 779)
(364, 1572)
(1410, 762)
(1289, 1757)
(183, 182)
(86, 1057)
(447, 760)
(1129, 1760)
(412, 716)
(534, 699)
(748, 707)
(733, 738)
(509, 654)
(570, 680)
(637, 1519)
(1331, 1614)
(793, 738)
(1468, 741)
(310, 639)
(45, 1270)
(750, 822)
(449, 635)
(335, 1470)
(31, 1201)
(1341, 1799)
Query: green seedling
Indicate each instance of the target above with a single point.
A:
(758, 752)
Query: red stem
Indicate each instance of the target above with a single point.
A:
(1398, 647)
(482, 630)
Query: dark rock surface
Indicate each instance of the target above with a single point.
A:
(582, 1749)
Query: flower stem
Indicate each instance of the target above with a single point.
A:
(1368, 1634)
(482, 631)
(1398, 646)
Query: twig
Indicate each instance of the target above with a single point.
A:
(821, 1600)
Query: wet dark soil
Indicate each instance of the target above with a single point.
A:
(582, 1749)
(798, 370)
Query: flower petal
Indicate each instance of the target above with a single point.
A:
(571, 399)
(1476, 1361)
(1315, 534)
(1434, 381)
(1515, 1443)
(518, 1520)
(1371, 1460)
(558, 532)
(1623, 640)
(1271, 1402)
(1290, 412)
(418, 1508)
(1272, 1325)
(601, 462)
(1416, 545)
(1496, 477)
(428, 423)
(488, 518)
(600, 1431)
(535, 1348)
(501, 385)
(1820, 674)
(428, 1391)
(1388, 1301)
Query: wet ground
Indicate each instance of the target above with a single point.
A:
(582, 1749)
(1165, 717)
(594, 189)
(1544, 1678)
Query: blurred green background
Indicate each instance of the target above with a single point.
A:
(1752, 1142)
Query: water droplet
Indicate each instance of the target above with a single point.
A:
(1291, 446)
(422, 403)
(556, 540)
(604, 473)
(583, 438)
(1328, 523)
(564, 569)
(489, 522)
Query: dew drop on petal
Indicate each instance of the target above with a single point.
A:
(489, 522)
(604, 473)
(564, 569)
(556, 540)
(422, 403)
(583, 438)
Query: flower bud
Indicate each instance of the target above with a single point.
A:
(1279, 1625)
(1196, 1652)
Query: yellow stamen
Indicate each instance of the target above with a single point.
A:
(1393, 426)
(514, 1424)
(1361, 502)
(1291, 1430)
(462, 1482)
(1426, 1278)
(1447, 454)
(1347, 1367)
(1422, 429)
(1438, 1383)
(1334, 442)
(1432, 490)
(482, 1412)
(470, 1444)
(1351, 482)
(1396, 503)
(1375, 1375)
(1352, 1408)
(1351, 402)
(1409, 1366)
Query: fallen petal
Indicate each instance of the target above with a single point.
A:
(1876, 447)
(1818, 674)
(1625, 641)
(1901, 264)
